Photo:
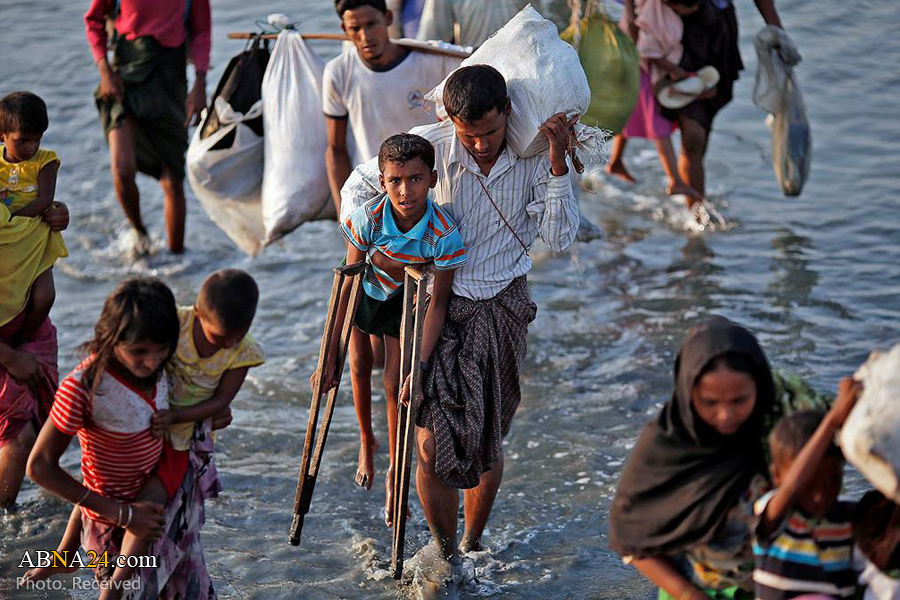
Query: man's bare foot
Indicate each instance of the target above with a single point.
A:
(617, 169)
(365, 471)
(45, 572)
(469, 544)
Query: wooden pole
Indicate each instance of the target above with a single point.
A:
(418, 46)
(411, 329)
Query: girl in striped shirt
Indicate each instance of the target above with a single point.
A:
(109, 402)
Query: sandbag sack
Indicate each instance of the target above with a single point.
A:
(612, 65)
(295, 183)
(228, 179)
(777, 93)
(870, 437)
(543, 77)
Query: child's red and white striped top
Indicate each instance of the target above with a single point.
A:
(118, 452)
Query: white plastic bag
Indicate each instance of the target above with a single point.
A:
(777, 93)
(870, 438)
(227, 181)
(543, 77)
(295, 183)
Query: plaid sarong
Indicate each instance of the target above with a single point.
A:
(471, 389)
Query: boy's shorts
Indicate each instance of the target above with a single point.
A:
(380, 317)
(171, 468)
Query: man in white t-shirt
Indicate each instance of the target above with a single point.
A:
(377, 87)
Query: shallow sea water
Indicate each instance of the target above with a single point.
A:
(816, 277)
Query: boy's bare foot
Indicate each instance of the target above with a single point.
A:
(44, 572)
(617, 169)
(365, 471)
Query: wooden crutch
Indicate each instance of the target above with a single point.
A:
(314, 442)
(411, 328)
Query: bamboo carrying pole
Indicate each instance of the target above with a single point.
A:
(411, 328)
(314, 442)
(406, 43)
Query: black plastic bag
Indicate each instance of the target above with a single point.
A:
(241, 87)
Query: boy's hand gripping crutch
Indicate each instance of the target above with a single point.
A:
(312, 456)
(411, 328)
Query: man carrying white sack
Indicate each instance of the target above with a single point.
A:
(501, 203)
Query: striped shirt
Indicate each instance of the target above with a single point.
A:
(805, 555)
(118, 452)
(528, 196)
(434, 238)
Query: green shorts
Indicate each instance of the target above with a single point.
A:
(380, 317)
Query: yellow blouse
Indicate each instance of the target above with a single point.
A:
(195, 379)
(27, 245)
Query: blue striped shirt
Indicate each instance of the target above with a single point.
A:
(434, 238)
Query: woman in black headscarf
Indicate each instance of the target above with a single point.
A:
(683, 508)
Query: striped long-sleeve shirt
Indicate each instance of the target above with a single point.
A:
(532, 201)
(805, 555)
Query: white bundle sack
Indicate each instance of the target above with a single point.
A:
(295, 183)
(227, 181)
(543, 77)
(870, 438)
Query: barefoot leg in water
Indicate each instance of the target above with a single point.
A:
(361, 380)
(391, 391)
(670, 166)
(616, 166)
(440, 503)
(13, 457)
(70, 542)
(694, 138)
(477, 504)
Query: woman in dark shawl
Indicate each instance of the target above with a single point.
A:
(683, 507)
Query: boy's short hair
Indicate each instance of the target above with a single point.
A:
(342, 6)
(403, 147)
(793, 431)
(472, 92)
(23, 112)
(230, 295)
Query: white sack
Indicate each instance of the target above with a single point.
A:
(295, 183)
(543, 77)
(777, 93)
(870, 438)
(227, 181)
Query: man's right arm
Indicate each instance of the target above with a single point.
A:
(337, 158)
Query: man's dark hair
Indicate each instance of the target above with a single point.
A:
(404, 147)
(342, 6)
(23, 112)
(793, 431)
(472, 92)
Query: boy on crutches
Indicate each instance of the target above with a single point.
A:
(398, 228)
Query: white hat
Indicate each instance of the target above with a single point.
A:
(681, 93)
